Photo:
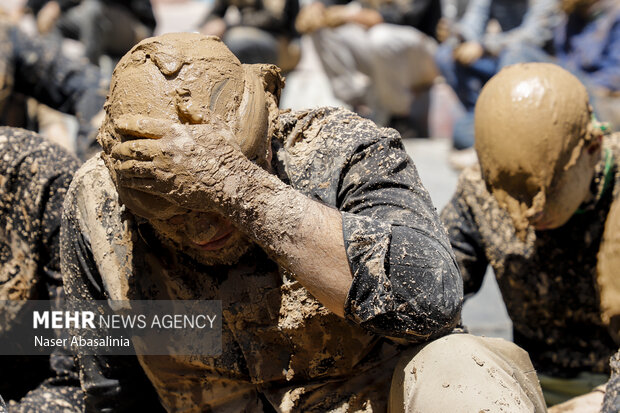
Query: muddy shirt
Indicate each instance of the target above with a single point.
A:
(548, 281)
(34, 67)
(34, 178)
(281, 347)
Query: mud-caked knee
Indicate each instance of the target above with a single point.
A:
(465, 373)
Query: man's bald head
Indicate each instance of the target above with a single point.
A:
(532, 123)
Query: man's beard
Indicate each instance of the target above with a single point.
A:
(230, 254)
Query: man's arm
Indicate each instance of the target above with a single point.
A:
(392, 271)
(406, 281)
(465, 237)
(36, 175)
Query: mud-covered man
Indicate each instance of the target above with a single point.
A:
(312, 228)
(542, 209)
(34, 177)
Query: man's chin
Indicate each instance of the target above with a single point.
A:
(225, 256)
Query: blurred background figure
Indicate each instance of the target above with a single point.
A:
(483, 41)
(108, 27)
(452, 11)
(378, 57)
(257, 31)
(587, 43)
(33, 67)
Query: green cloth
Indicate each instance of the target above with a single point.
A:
(558, 390)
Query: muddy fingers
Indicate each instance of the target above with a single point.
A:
(140, 150)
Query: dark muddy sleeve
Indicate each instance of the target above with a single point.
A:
(110, 383)
(34, 177)
(406, 281)
(611, 403)
(71, 86)
(465, 240)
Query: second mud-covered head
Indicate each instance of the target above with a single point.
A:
(536, 143)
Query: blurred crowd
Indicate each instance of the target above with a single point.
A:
(381, 57)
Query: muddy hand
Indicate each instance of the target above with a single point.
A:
(185, 164)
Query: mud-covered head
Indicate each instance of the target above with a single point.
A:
(190, 78)
(536, 143)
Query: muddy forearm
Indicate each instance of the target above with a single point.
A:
(302, 235)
